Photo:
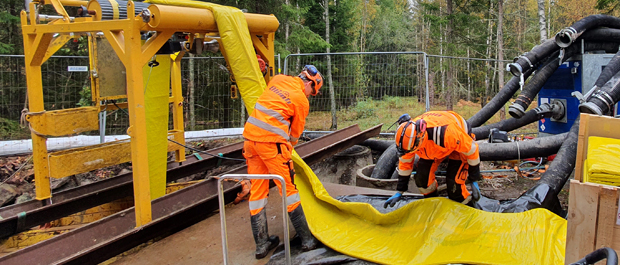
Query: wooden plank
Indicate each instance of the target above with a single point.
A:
(607, 209)
(582, 215)
(581, 145)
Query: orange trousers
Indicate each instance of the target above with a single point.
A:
(456, 175)
(270, 158)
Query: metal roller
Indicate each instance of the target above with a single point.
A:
(111, 9)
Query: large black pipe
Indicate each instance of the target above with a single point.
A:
(567, 36)
(377, 145)
(602, 101)
(555, 110)
(386, 163)
(498, 101)
(538, 147)
(523, 101)
(598, 255)
(530, 59)
(525, 98)
(545, 193)
(612, 67)
(602, 34)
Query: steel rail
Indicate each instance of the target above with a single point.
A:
(20, 217)
(108, 237)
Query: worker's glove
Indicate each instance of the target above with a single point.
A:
(393, 200)
(475, 191)
(473, 173)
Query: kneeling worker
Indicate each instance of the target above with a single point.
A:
(434, 136)
(273, 128)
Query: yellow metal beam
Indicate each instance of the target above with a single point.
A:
(137, 119)
(60, 9)
(84, 159)
(153, 44)
(264, 47)
(55, 45)
(177, 104)
(83, 26)
(117, 41)
(64, 122)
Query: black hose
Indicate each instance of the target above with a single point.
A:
(386, 163)
(567, 36)
(598, 255)
(602, 34)
(602, 101)
(530, 59)
(523, 101)
(377, 145)
(538, 147)
(498, 101)
(543, 111)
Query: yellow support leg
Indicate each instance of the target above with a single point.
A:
(137, 118)
(177, 104)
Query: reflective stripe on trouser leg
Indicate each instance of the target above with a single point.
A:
(260, 187)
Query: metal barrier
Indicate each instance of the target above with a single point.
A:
(220, 195)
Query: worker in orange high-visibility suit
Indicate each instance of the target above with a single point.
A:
(273, 128)
(435, 136)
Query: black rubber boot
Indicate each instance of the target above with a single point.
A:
(264, 242)
(298, 218)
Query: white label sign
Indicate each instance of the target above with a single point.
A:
(77, 68)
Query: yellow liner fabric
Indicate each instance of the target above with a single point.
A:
(430, 231)
(602, 165)
(433, 231)
(240, 53)
(157, 85)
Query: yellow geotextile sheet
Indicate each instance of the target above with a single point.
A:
(430, 231)
(603, 163)
(157, 85)
(434, 231)
(239, 51)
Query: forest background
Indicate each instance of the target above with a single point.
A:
(488, 29)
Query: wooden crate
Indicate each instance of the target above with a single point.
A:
(592, 208)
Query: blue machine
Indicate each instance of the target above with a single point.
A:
(574, 75)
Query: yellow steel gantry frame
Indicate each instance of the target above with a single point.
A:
(42, 40)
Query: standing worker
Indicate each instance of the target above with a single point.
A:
(271, 131)
(434, 136)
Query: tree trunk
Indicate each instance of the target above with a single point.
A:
(541, 20)
(487, 83)
(500, 52)
(286, 28)
(190, 91)
(332, 95)
(451, 72)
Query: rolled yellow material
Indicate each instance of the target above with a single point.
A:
(191, 19)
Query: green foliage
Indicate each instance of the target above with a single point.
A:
(608, 6)
(10, 129)
(364, 108)
(85, 97)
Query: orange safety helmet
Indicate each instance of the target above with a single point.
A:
(410, 135)
(311, 73)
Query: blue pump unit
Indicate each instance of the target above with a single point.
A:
(577, 74)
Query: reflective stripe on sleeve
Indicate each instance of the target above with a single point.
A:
(257, 205)
(294, 139)
(292, 199)
(473, 162)
(406, 160)
(268, 127)
(471, 150)
(405, 172)
(272, 113)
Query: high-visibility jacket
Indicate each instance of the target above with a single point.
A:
(280, 113)
(446, 133)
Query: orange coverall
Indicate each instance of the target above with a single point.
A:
(271, 131)
(447, 135)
